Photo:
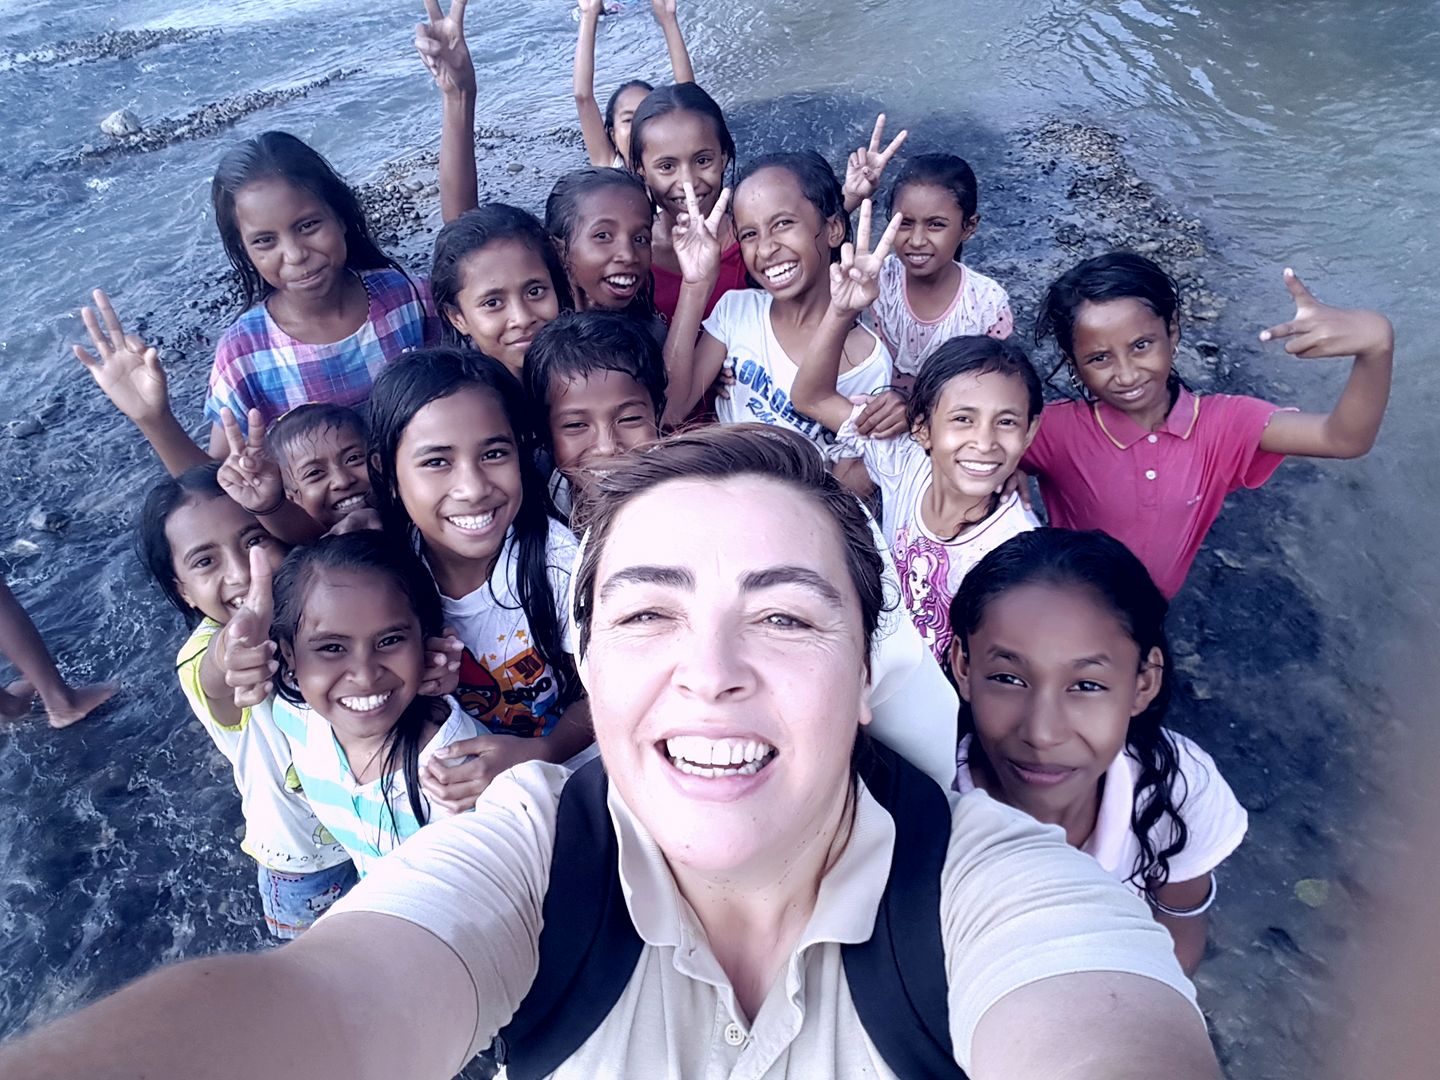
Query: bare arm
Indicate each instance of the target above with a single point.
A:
(1188, 932)
(359, 996)
(1318, 330)
(690, 364)
(674, 41)
(592, 124)
(1092, 1026)
(441, 45)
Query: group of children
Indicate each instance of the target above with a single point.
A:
(374, 554)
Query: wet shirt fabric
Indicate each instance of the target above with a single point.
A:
(668, 282)
(1017, 906)
(282, 832)
(505, 683)
(259, 366)
(1158, 492)
(931, 567)
(367, 819)
(764, 371)
(981, 306)
(1214, 819)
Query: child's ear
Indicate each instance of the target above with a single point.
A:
(1174, 329)
(1152, 674)
(968, 229)
(456, 319)
(960, 668)
(835, 232)
(921, 434)
(1032, 431)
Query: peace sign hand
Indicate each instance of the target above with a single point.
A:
(855, 279)
(248, 654)
(865, 166)
(442, 48)
(695, 238)
(126, 369)
(250, 475)
(1319, 330)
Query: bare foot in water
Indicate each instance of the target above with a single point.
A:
(79, 702)
(16, 699)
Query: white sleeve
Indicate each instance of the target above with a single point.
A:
(477, 882)
(723, 319)
(1018, 905)
(1214, 819)
(561, 563)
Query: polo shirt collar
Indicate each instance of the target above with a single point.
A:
(1124, 432)
(845, 908)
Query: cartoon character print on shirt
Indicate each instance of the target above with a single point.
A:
(510, 695)
(924, 569)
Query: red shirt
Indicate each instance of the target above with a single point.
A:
(667, 283)
(1158, 492)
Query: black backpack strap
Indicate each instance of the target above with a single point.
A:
(588, 944)
(897, 979)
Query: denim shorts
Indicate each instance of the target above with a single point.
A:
(293, 902)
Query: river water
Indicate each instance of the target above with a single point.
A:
(1301, 134)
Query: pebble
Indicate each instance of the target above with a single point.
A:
(120, 123)
(51, 521)
(171, 356)
(21, 549)
(1069, 235)
(1207, 348)
(514, 167)
(25, 427)
(1312, 892)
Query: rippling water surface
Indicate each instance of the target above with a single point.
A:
(1300, 134)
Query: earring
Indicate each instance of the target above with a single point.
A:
(1075, 382)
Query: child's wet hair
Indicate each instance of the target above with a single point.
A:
(406, 386)
(576, 345)
(1114, 276)
(613, 104)
(304, 421)
(972, 355)
(475, 230)
(818, 183)
(364, 552)
(678, 97)
(943, 171)
(562, 217)
(1097, 563)
(281, 156)
(198, 484)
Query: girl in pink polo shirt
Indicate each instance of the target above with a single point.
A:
(1149, 462)
(1063, 669)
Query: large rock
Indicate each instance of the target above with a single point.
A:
(121, 122)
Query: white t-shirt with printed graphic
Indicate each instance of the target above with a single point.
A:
(505, 684)
(931, 567)
(1214, 819)
(764, 371)
(981, 306)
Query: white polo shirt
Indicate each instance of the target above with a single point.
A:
(1017, 905)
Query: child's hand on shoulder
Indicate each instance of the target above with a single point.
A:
(1319, 330)
(250, 475)
(248, 653)
(455, 788)
(866, 165)
(442, 48)
(126, 369)
(695, 238)
(855, 279)
(442, 664)
(883, 417)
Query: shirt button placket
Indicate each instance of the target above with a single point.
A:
(735, 1034)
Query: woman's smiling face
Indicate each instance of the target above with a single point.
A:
(726, 670)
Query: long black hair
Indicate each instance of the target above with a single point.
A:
(1116, 275)
(364, 552)
(1118, 580)
(947, 171)
(279, 155)
(405, 387)
(678, 97)
(475, 229)
(562, 218)
(197, 484)
(614, 103)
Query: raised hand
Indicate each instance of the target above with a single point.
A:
(248, 655)
(126, 369)
(442, 48)
(1319, 330)
(250, 475)
(855, 279)
(454, 788)
(664, 9)
(695, 238)
(866, 165)
(442, 664)
(591, 8)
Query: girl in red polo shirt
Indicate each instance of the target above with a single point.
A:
(1143, 458)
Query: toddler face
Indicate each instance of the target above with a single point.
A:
(325, 474)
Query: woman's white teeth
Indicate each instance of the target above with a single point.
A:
(369, 703)
(696, 755)
(472, 522)
(784, 270)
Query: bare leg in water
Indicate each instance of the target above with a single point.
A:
(20, 641)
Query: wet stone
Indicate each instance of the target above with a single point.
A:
(51, 521)
(514, 167)
(120, 123)
(24, 428)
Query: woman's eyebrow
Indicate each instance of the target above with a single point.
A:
(772, 576)
(673, 576)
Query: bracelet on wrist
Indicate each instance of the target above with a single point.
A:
(270, 509)
(1186, 913)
